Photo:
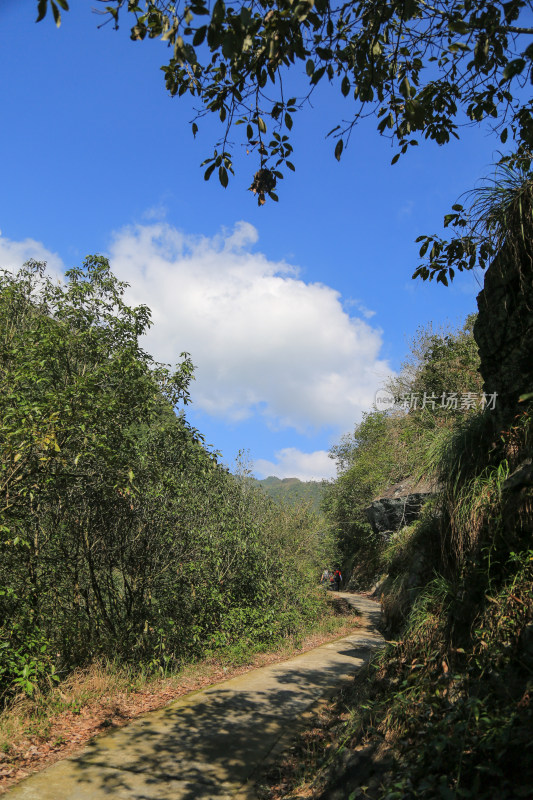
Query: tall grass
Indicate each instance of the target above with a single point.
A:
(468, 465)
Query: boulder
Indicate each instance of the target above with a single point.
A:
(399, 505)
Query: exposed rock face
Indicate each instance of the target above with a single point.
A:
(400, 505)
(504, 330)
(517, 493)
(386, 516)
(521, 477)
(504, 335)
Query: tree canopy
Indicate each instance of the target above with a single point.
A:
(422, 69)
(121, 536)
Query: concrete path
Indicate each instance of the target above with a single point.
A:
(208, 744)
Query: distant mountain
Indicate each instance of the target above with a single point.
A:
(293, 490)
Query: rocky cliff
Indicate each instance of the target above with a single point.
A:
(398, 506)
(504, 327)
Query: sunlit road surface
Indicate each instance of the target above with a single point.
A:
(207, 745)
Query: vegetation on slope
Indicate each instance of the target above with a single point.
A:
(293, 491)
(438, 387)
(121, 536)
(445, 711)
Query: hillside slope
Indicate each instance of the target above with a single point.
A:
(294, 491)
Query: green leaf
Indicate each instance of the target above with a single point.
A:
(513, 68)
(199, 36)
(291, 166)
(223, 176)
(309, 67)
(138, 32)
(209, 171)
(246, 16)
(41, 10)
(288, 121)
(219, 12)
(405, 88)
(459, 26)
(57, 14)
(198, 9)
(194, 127)
(345, 85)
(339, 147)
(261, 124)
(318, 75)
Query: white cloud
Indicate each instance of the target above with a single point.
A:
(263, 340)
(156, 213)
(292, 463)
(14, 254)
(360, 307)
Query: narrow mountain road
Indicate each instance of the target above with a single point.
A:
(208, 745)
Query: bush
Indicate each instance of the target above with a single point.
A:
(121, 534)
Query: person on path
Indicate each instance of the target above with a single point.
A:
(337, 580)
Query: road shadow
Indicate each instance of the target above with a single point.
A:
(207, 745)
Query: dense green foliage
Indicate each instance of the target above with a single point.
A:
(452, 696)
(293, 491)
(392, 446)
(121, 536)
(445, 711)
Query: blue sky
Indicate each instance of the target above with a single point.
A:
(294, 313)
